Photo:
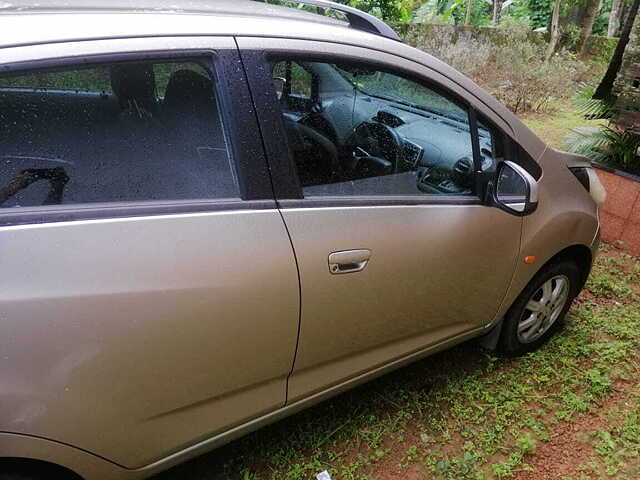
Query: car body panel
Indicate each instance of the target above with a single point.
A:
(62, 301)
(109, 300)
(566, 216)
(409, 296)
(201, 269)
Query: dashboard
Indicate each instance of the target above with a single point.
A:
(435, 147)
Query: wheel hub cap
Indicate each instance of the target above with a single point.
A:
(543, 309)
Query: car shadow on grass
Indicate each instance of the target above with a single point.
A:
(346, 419)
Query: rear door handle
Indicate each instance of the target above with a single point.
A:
(348, 261)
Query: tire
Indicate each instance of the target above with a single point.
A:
(17, 476)
(34, 472)
(539, 310)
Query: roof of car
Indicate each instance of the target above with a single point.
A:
(207, 7)
(27, 22)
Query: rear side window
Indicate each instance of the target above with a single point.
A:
(120, 132)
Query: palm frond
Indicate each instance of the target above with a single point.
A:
(592, 108)
(607, 145)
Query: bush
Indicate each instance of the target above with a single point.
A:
(610, 146)
(508, 63)
(459, 49)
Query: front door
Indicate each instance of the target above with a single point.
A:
(395, 250)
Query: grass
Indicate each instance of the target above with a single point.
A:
(572, 408)
(553, 128)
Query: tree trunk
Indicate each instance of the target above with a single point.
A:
(554, 31)
(467, 16)
(614, 18)
(497, 12)
(606, 85)
(591, 12)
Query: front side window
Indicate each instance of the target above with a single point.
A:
(119, 132)
(356, 130)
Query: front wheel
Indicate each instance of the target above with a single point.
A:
(540, 309)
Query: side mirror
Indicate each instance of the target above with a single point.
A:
(279, 83)
(515, 190)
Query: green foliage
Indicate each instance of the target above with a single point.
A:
(388, 10)
(539, 12)
(592, 108)
(607, 145)
(602, 19)
(512, 22)
(509, 62)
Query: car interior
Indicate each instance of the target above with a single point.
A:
(356, 130)
(112, 133)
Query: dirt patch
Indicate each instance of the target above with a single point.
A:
(569, 448)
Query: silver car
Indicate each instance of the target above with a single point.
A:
(217, 214)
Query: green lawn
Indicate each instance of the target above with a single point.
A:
(569, 411)
(552, 128)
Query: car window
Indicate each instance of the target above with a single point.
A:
(297, 79)
(492, 145)
(363, 131)
(120, 132)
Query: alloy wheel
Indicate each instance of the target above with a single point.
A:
(543, 309)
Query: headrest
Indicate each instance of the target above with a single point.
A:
(188, 89)
(134, 82)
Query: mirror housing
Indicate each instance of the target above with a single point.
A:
(513, 190)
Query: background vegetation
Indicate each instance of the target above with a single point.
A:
(535, 56)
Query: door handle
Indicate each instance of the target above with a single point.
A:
(349, 261)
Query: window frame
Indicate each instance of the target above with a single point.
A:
(287, 186)
(238, 119)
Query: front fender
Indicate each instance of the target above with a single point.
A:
(566, 217)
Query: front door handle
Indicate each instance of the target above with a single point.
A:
(349, 261)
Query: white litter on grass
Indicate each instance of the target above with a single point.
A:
(323, 476)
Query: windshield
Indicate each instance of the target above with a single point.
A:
(401, 90)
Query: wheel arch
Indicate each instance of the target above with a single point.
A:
(578, 253)
(581, 255)
(37, 468)
(32, 452)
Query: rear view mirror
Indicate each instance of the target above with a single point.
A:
(515, 191)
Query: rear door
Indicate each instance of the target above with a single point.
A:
(380, 194)
(149, 293)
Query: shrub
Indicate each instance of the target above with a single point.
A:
(459, 49)
(511, 66)
(607, 145)
(515, 23)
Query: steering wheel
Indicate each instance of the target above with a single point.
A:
(299, 135)
(377, 148)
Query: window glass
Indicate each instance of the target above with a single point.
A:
(120, 132)
(297, 79)
(361, 131)
(492, 145)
